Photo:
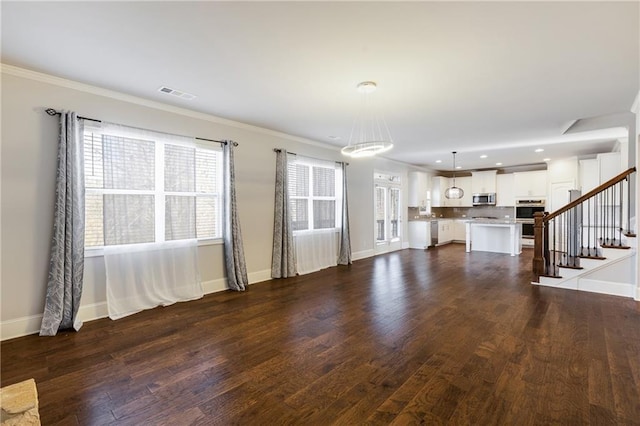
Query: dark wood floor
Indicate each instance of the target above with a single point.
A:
(412, 337)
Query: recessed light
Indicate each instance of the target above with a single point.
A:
(334, 138)
(438, 161)
(546, 159)
(539, 150)
(483, 156)
(498, 164)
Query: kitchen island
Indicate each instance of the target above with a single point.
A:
(497, 236)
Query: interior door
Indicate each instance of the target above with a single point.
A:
(560, 194)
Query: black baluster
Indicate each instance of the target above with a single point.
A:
(619, 223)
(554, 246)
(589, 227)
(628, 205)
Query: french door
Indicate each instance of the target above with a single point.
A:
(388, 216)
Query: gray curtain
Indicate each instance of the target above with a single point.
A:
(66, 268)
(283, 258)
(344, 257)
(233, 250)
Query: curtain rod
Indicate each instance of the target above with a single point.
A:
(53, 112)
(315, 158)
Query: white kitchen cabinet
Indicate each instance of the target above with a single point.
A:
(445, 231)
(596, 171)
(483, 182)
(505, 190)
(417, 196)
(609, 165)
(530, 184)
(419, 234)
(439, 185)
(459, 230)
(589, 175)
(463, 183)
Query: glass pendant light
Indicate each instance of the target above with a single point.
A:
(454, 192)
(370, 134)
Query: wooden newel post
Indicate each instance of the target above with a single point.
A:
(540, 238)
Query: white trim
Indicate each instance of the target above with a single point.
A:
(87, 88)
(606, 287)
(24, 326)
(405, 245)
(93, 311)
(20, 327)
(363, 254)
(259, 276)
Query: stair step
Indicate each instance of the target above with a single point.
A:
(590, 262)
(614, 246)
(593, 257)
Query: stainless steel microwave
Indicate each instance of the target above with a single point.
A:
(487, 199)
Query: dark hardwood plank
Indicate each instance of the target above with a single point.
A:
(429, 337)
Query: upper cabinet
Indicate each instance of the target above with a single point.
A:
(504, 190)
(417, 189)
(439, 185)
(596, 171)
(530, 184)
(483, 182)
(609, 165)
(463, 183)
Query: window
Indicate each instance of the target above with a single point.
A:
(144, 187)
(315, 194)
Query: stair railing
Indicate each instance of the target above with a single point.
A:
(580, 228)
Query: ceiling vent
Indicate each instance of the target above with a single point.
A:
(177, 93)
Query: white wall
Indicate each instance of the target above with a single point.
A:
(29, 139)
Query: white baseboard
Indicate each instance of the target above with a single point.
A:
(357, 255)
(606, 287)
(567, 284)
(93, 311)
(24, 326)
(405, 245)
(20, 327)
(259, 276)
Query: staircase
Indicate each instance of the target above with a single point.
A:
(588, 245)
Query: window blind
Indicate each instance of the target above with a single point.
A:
(144, 186)
(314, 193)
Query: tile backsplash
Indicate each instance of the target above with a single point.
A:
(468, 212)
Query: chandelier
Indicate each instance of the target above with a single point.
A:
(369, 134)
(454, 192)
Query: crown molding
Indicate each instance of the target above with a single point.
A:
(94, 90)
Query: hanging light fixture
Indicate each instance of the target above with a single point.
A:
(454, 192)
(369, 134)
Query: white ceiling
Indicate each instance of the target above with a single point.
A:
(498, 78)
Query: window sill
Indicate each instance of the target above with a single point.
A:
(99, 251)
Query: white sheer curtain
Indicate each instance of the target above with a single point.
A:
(316, 250)
(144, 276)
(315, 194)
(149, 188)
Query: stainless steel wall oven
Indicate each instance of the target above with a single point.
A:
(525, 209)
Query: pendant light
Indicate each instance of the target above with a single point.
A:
(454, 192)
(369, 134)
